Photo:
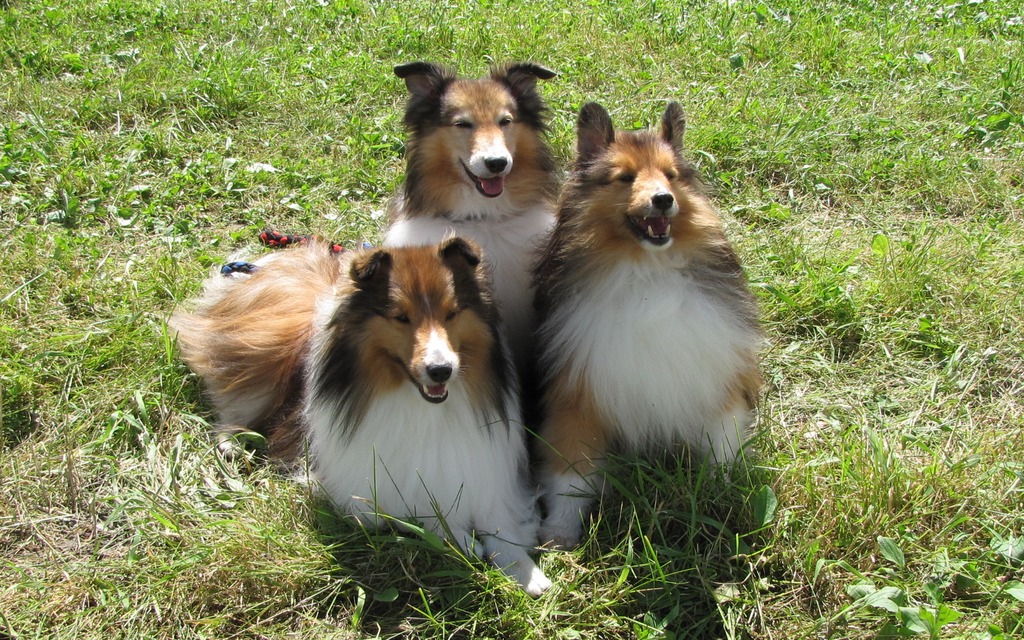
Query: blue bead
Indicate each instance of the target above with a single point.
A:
(236, 267)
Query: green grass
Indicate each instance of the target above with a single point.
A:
(868, 159)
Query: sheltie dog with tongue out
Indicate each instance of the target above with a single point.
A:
(648, 334)
(479, 166)
(388, 368)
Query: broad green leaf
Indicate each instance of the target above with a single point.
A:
(891, 551)
(918, 619)
(387, 595)
(948, 614)
(1010, 547)
(888, 598)
(1015, 590)
(880, 246)
(860, 590)
(765, 504)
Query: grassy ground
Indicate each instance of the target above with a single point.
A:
(869, 160)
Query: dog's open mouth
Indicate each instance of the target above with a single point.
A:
(435, 393)
(488, 187)
(654, 229)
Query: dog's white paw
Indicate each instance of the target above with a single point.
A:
(536, 583)
(529, 576)
(515, 562)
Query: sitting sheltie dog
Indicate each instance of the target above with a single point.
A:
(389, 368)
(478, 166)
(648, 334)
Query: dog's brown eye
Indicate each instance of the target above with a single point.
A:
(463, 124)
(627, 178)
(451, 315)
(671, 175)
(404, 319)
(504, 122)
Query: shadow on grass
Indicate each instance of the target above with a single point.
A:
(17, 419)
(413, 584)
(670, 542)
(664, 552)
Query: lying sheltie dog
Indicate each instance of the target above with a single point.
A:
(648, 334)
(478, 165)
(388, 366)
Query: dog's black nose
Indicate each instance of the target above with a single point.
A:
(495, 165)
(662, 201)
(439, 372)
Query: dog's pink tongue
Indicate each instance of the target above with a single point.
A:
(492, 186)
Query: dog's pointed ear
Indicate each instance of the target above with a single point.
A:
(459, 252)
(594, 132)
(370, 267)
(521, 77)
(472, 285)
(673, 125)
(424, 78)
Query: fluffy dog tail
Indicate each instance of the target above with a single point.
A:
(249, 338)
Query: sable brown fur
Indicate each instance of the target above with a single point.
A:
(250, 336)
(589, 237)
(589, 228)
(648, 334)
(386, 368)
(434, 289)
(249, 341)
(437, 96)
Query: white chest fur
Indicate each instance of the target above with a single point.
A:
(657, 353)
(409, 458)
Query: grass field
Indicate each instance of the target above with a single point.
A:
(868, 158)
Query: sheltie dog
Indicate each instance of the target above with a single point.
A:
(648, 335)
(389, 368)
(478, 166)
